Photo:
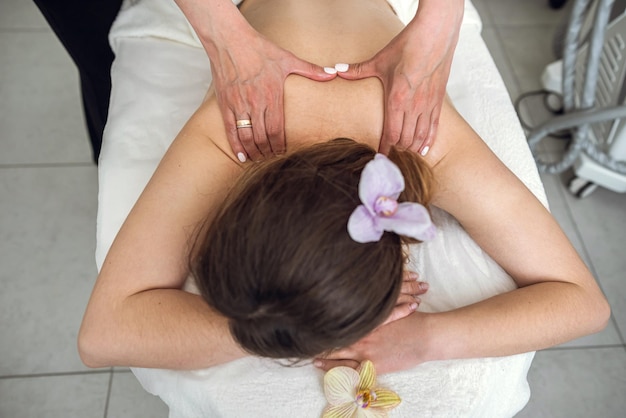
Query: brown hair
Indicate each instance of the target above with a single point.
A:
(278, 262)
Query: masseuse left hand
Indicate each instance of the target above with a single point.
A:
(414, 69)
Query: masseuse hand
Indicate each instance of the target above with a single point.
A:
(387, 345)
(249, 74)
(414, 69)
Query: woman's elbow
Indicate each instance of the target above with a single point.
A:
(595, 311)
(601, 313)
(93, 347)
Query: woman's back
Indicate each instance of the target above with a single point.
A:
(340, 32)
(351, 30)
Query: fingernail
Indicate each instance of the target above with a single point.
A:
(417, 299)
(342, 68)
(424, 286)
(413, 306)
(330, 70)
(413, 276)
(317, 363)
(425, 151)
(242, 157)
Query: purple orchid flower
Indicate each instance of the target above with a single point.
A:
(379, 188)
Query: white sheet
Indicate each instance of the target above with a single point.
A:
(158, 83)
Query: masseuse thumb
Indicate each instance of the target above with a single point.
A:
(312, 71)
(356, 71)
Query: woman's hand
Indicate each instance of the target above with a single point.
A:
(391, 347)
(386, 345)
(414, 69)
(409, 300)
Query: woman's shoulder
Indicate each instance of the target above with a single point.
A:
(207, 122)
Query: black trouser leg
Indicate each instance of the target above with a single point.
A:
(83, 27)
(557, 4)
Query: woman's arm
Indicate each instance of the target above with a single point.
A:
(557, 299)
(137, 314)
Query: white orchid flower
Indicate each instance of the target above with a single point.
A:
(353, 395)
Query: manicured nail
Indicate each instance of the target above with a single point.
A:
(242, 157)
(424, 286)
(425, 151)
(413, 306)
(317, 363)
(330, 70)
(342, 68)
(413, 276)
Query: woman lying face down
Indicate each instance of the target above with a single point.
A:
(280, 272)
(279, 262)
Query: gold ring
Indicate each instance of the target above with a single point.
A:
(244, 123)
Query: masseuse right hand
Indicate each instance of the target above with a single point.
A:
(249, 73)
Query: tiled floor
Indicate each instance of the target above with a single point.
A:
(48, 190)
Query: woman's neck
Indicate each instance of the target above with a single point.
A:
(328, 32)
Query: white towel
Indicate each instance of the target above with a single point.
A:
(158, 81)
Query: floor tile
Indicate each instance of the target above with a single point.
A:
(20, 14)
(129, 399)
(614, 291)
(540, 109)
(41, 119)
(609, 337)
(71, 396)
(529, 58)
(601, 220)
(559, 206)
(47, 242)
(577, 384)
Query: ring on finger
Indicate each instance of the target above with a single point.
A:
(243, 123)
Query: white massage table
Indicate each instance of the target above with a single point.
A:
(160, 76)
